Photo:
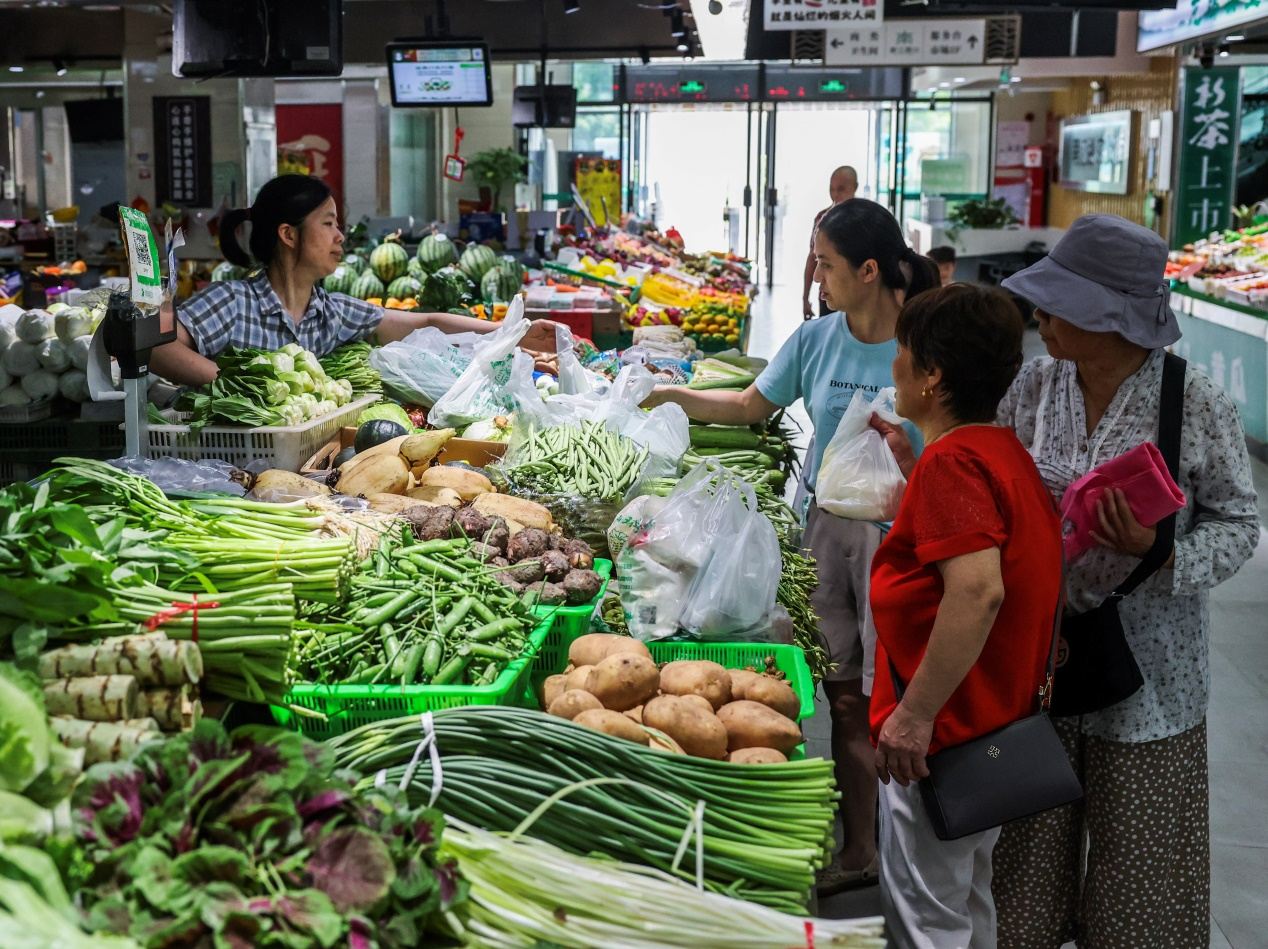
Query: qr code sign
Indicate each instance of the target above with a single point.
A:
(141, 250)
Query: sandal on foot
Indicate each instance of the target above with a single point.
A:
(836, 879)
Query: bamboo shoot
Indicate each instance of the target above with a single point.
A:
(152, 660)
(175, 709)
(101, 741)
(93, 698)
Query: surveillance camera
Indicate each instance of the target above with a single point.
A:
(715, 7)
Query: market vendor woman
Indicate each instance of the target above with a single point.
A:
(864, 269)
(296, 240)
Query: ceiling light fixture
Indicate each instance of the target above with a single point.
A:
(17, 69)
(572, 6)
(1223, 50)
(959, 79)
(59, 65)
(1234, 39)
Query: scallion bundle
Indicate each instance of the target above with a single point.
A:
(765, 828)
(525, 893)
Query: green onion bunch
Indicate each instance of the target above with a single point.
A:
(586, 792)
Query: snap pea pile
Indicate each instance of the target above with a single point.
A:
(589, 460)
(417, 614)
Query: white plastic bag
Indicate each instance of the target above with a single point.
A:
(424, 365)
(859, 477)
(707, 562)
(477, 394)
(573, 379)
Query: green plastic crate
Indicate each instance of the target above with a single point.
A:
(790, 660)
(348, 707)
(568, 623)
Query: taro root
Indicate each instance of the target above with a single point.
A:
(430, 523)
(556, 542)
(503, 577)
(531, 542)
(553, 594)
(470, 522)
(499, 562)
(484, 553)
(496, 533)
(580, 554)
(529, 571)
(582, 586)
(555, 564)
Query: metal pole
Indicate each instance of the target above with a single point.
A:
(772, 195)
(748, 175)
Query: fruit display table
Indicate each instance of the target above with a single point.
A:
(1229, 342)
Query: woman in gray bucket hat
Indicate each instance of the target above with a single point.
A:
(1144, 878)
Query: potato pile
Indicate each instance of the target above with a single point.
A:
(686, 707)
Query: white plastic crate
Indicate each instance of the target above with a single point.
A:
(284, 447)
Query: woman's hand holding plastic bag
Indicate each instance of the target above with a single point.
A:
(478, 393)
(859, 477)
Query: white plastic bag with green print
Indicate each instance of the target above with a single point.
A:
(481, 390)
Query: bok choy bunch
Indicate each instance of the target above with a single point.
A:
(255, 388)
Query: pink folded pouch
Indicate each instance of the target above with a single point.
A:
(1140, 474)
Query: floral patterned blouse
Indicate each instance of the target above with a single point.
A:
(1166, 619)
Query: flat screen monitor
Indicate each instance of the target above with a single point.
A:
(544, 106)
(445, 74)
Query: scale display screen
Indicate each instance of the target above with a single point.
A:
(440, 74)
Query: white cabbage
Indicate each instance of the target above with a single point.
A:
(14, 395)
(74, 385)
(8, 333)
(21, 358)
(73, 322)
(40, 384)
(34, 326)
(78, 351)
(53, 356)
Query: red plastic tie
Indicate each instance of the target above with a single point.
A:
(810, 935)
(177, 608)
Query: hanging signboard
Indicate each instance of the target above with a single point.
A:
(1208, 152)
(1192, 19)
(599, 184)
(182, 147)
(692, 82)
(820, 14)
(797, 84)
(1096, 151)
(952, 42)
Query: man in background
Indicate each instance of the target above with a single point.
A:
(944, 257)
(841, 187)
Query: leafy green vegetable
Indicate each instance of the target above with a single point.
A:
(24, 735)
(251, 838)
(389, 411)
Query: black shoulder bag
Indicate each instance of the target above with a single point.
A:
(1095, 663)
(1005, 775)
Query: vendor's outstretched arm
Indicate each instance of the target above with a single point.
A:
(181, 363)
(397, 324)
(716, 406)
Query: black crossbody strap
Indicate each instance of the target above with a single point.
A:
(1170, 419)
(1050, 668)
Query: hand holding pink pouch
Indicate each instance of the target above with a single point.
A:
(1140, 474)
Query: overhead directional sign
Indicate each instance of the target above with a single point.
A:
(951, 42)
(820, 14)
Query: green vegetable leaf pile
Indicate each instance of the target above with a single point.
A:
(251, 839)
(352, 362)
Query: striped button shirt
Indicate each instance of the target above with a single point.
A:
(247, 314)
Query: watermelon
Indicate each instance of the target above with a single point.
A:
(417, 270)
(404, 287)
(476, 261)
(376, 432)
(366, 286)
(511, 265)
(389, 260)
(436, 251)
(341, 280)
(445, 290)
(227, 271)
(355, 263)
(499, 286)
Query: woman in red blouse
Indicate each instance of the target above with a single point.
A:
(963, 593)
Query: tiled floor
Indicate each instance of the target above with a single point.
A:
(1237, 723)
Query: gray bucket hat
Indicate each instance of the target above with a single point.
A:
(1105, 276)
